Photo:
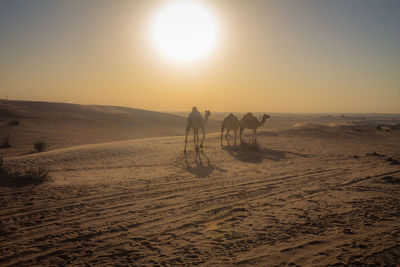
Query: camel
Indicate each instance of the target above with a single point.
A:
(231, 122)
(196, 121)
(250, 122)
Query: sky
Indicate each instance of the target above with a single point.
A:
(277, 56)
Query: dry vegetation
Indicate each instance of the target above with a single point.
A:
(40, 146)
(14, 122)
(6, 142)
(34, 174)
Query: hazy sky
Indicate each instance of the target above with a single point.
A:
(282, 56)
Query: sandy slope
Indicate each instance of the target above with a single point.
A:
(65, 125)
(310, 195)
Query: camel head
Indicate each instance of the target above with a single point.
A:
(207, 114)
(264, 118)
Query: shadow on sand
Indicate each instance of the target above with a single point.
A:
(201, 165)
(255, 153)
(265, 133)
(15, 182)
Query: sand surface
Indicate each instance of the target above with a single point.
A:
(310, 194)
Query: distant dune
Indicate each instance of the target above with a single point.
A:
(65, 125)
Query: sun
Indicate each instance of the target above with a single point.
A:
(184, 31)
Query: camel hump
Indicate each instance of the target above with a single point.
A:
(249, 114)
(194, 109)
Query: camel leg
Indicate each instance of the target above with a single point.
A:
(194, 140)
(204, 137)
(222, 133)
(187, 131)
(254, 136)
(198, 141)
(226, 136)
(240, 134)
(235, 138)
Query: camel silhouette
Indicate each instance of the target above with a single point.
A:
(251, 122)
(231, 122)
(196, 121)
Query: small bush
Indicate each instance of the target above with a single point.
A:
(40, 146)
(39, 174)
(14, 123)
(33, 175)
(6, 142)
(3, 169)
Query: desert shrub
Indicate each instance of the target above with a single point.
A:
(40, 146)
(38, 173)
(32, 175)
(6, 142)
(3, 169)
(14, 123)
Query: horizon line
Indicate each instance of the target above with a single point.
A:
(170, 111)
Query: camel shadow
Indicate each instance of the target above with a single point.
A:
(266, 133)
(254, 153)
(201, 166)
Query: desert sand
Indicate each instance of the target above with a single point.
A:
(316, 190)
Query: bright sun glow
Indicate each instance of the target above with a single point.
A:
(184, 31)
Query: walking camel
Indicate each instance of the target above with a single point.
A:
(231, 122)
(251, 122)
(196, 122)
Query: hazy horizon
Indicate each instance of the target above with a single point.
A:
(186, 111)
(276, 56)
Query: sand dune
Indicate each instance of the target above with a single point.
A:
(65, 125)
(307, 195)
